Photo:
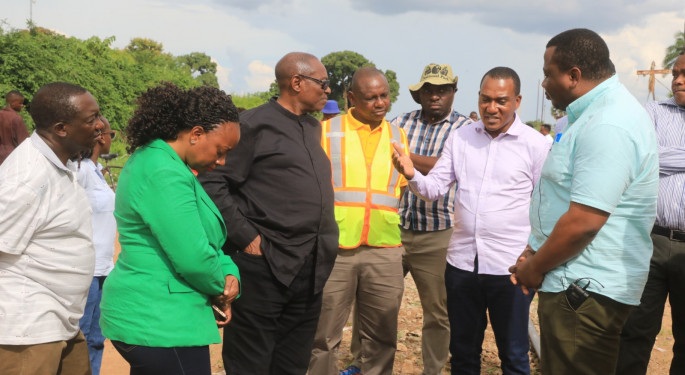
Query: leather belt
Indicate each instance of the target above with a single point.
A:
(671, 234)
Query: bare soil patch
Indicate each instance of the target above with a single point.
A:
(408, 358)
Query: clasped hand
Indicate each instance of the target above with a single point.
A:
(524, 273)
(223, 301)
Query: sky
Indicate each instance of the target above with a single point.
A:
(247, 37)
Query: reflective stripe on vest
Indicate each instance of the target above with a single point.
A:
(365, 194)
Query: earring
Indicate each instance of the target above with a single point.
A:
(192, 141)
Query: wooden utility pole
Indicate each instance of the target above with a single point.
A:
(651, 72)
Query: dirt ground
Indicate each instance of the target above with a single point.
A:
(408, 358)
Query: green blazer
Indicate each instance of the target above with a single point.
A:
(171, 261)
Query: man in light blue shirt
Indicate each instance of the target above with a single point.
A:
(592, 212)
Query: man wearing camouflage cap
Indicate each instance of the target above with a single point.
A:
(427, 226)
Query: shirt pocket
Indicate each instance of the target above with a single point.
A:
(178, 286)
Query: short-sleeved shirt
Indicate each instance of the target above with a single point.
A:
(46, 253)
(607, 159)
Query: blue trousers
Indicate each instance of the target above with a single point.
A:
(469, 296)
(90, 324)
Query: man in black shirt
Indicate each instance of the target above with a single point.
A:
(276, 197)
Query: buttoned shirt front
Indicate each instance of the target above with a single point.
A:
(101, 199)
(495, 180)
(46, 254)
(607, 159)
(428, 139)
(669, 122)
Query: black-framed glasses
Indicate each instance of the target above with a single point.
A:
(326, 83)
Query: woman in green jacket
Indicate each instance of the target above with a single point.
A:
(157, 302)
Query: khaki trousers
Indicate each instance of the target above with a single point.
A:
(372, 280)
(425, 258)
(69, 357)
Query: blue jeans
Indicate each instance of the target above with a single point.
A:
(469, 296)
(90, 324)
(146, 360)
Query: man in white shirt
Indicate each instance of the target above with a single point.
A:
(89, 175)
(495, 162)
(46, 251)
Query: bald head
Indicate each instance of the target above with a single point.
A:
(292, 64)
(364, 74)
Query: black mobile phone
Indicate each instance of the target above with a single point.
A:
(218, 314)
(576, 296)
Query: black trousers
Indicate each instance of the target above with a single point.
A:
(273, 326)
(666, 279)
(145, 360)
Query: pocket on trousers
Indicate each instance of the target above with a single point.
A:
(124, 347)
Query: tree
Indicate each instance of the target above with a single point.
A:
(557, 113)
(116, 77)
(342, 65)
(201, 67)
(674, 49)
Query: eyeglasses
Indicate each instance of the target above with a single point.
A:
(326, 83)
(112, 134)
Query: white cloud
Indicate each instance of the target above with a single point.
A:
(222, 76)
(247, 38)
(634, 47)
(259, 77)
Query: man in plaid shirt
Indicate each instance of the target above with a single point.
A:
(427, 226)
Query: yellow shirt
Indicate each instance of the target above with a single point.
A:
(370, 138)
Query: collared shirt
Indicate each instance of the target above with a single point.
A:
(427, 139)
(607, 159)
(669, 121)
(369, 139)
(46, 253)
(101, 198)
(496, 178)
(277, 183)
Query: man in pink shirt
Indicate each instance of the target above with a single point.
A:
(495, 163)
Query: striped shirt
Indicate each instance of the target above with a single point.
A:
(428, 140)
(669, 121)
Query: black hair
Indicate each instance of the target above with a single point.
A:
(53, 103)
(12, 93)
(502, 72)
(546, 126)
(166, 110)
(584, 49)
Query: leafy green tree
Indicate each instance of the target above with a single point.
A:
(201, 67)
(674, 50)
(556, 112)
(116, 77)
(342, 65)
(249, 101)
